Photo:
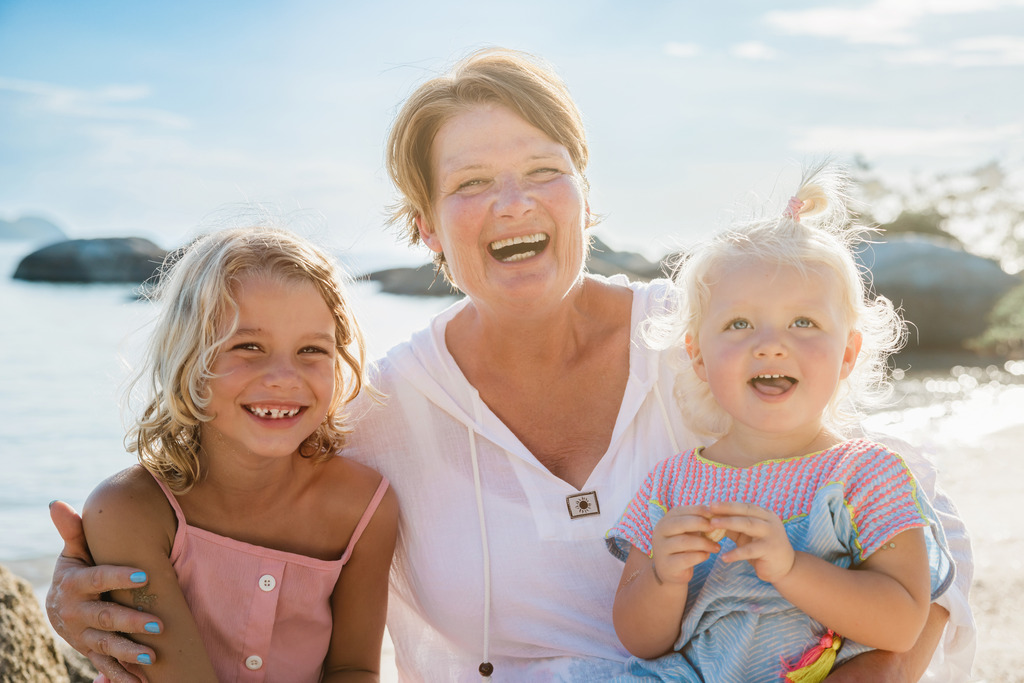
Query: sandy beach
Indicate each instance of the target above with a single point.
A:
(985, 481)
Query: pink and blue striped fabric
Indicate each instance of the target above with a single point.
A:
(840, 504)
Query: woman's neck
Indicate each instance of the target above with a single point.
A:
(527, 335)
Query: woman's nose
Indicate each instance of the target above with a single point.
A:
(513, 198)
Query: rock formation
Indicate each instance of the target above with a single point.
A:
(945, 292)
(114, 259)
(28, 650)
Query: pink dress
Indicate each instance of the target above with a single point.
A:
(263, 614)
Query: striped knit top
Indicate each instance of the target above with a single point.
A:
(841, 504)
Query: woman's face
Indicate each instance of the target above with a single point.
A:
(509, 209)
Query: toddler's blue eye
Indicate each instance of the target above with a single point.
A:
(739, 325)
(803, 322)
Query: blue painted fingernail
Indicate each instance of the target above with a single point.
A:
(138, 577)
(144, 659)
(152, 627)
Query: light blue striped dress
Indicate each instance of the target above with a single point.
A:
(841, 504)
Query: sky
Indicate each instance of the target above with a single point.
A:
(161, 119)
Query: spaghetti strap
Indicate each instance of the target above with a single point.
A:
(371, 507)
(172, 500)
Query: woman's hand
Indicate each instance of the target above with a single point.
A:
(760, 538)
(81, 617)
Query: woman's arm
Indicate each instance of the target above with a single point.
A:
(651, 597)
(127, 521)
(359, 603)
(895, 667)
(91, 625)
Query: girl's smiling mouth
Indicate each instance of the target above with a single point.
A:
(267, 412)
(772, 385)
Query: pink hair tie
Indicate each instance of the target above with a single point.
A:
(793, 209)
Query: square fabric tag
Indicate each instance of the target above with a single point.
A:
(583, 504)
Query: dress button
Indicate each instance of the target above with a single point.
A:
(267, 583)
(253, 662)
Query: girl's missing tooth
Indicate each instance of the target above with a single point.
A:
(264, 550)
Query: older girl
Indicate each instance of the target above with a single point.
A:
(266, 554)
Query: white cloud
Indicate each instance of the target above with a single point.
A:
(105, 103)
(683, 50)
(886, 142)
(887, 22)
(985, 51)
(754, 50)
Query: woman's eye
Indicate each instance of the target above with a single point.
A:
(545, 172)
(803, 322)
(738, 325)
(470, 184)
(246, 346)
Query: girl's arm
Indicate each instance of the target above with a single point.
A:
(128, 521)
(651, 597)
(883, 603)
(359, 603)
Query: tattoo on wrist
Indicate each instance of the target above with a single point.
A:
(142, 598)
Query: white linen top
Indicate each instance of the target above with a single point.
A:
(551, 580)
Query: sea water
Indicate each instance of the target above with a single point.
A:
(66, 350)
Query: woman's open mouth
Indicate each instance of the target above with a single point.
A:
(518, 248)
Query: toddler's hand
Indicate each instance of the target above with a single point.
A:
(680, 543)
(760, 538)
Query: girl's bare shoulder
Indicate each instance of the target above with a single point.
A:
(129, 500)
(345, 489)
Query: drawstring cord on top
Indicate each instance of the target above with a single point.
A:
(486, 668)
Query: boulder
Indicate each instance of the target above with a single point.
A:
(113, 259)
(28, 651)
(606, 261)
(421, 281)
(31, 229)
(945, 292)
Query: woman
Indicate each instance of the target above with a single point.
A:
(519, 422)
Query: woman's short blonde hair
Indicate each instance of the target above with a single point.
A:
(199, 312)
(516, 80)
(820, 235)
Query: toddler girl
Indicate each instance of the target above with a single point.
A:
(740, 556)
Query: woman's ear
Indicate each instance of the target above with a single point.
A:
(853, 344)
(697, 360)
(427, 234)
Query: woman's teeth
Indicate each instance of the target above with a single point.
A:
(518, 248)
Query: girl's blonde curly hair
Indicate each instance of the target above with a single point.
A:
(197, 289)
(816, 231)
